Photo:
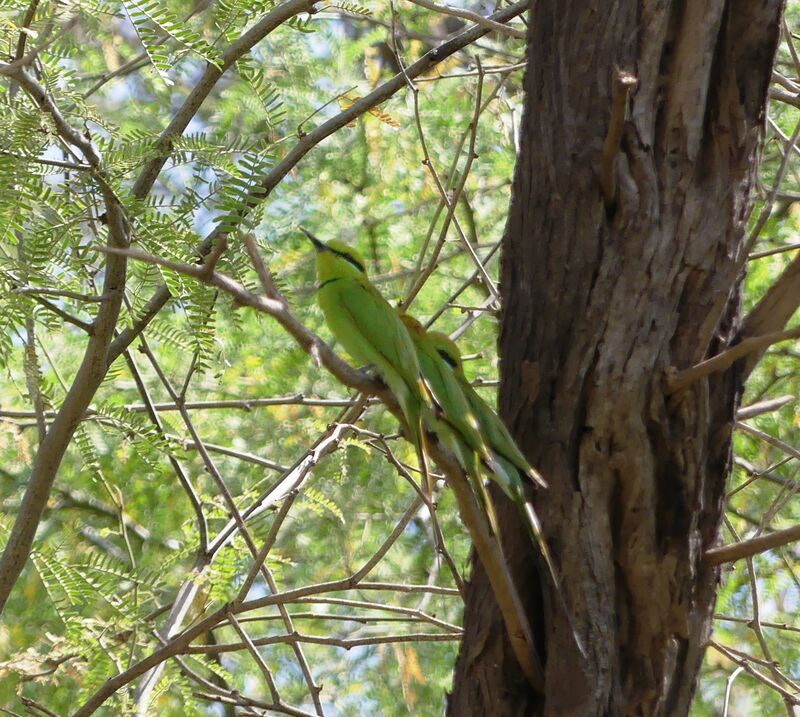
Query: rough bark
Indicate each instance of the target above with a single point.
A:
(602, 296)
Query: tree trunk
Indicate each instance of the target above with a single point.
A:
(604, 292)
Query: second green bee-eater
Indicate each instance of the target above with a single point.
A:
(453, 420)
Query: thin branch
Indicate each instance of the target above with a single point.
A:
(488, 70)
(407, 612)
(480, 20)
(716, 364)
(748, 548)
(391, 539)
(774, 310)
(36, 290)
(180, 473)
(755, 626)
(762, 407)
(251, 648)
(344, 643)
(745, 663)
(452, 202)
(766, 211)
(242, 404)
(47, 162)
(239, 700)
(66, 316)
(188, 444)
(746, 621)
(264, 276)
(269, 541)
(775, 250)
(772, 440)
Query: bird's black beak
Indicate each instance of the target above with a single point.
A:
(318, 245)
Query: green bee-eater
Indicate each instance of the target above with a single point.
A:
(505, 450)
(371, 331)
(453, 420)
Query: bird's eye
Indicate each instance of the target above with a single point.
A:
(448, 359)
(355, 262)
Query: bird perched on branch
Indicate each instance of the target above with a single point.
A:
(371, 332)
(504, 448)
(453, 421)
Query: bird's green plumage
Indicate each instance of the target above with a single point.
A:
(453, 420)
(492, 428)
(370, 331)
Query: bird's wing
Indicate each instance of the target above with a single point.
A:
(498, 436)
(383, 331)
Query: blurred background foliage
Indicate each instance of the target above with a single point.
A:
(119, 536)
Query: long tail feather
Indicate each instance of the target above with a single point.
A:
(473, 471)
(535, 528)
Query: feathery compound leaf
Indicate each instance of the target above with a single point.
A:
(347, 101)
(318, 502)
(351, 7)
(155, 25)
(256, 77)
(243, 191)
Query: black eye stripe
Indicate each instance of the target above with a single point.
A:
(357, 264)
(448, 359)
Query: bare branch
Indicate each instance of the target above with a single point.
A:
(772, 440)
(480, 20)
(720, 362)
(775, 250)
(757, 409)
(183, 478)
(66, 316)
(748, 548)
(745, 664)
(243, 404)
(251, 648)
(766, 210)
(774, 310)
(765, 623)
(451, 202)
(345, 643)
